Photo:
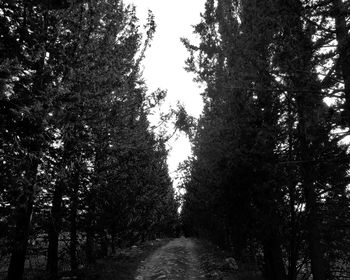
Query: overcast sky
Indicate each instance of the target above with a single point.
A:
(164, 62)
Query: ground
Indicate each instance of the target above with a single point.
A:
(175, 260)
(170, 259)
(187, 259)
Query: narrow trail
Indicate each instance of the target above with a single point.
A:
(175, 260)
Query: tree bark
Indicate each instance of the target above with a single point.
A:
(274, 265)
(104, 243)
(313, 226)
(90, 254)
(20, 243)
(293, 244)
(343, 38)
(54, 231)
(113, 245)
(90, 229)
(318, 263)
(23, 213)
(73, 223)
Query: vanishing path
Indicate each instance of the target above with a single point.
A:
(175, 260)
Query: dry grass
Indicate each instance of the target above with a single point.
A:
(121, 266)
(214, 263)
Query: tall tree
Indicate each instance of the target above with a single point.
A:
(75, 132)
(28, 73)
(264, 116)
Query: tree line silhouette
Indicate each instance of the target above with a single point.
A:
(269, 175)
(81, 170)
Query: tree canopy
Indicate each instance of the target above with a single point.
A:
(79, 162)
(269, 173)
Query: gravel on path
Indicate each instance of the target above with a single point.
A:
(175, 260)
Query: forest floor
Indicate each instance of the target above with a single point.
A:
(175, 259)
(170, 259)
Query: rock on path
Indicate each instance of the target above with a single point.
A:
(175, 260)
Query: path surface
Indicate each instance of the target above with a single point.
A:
(175, 260)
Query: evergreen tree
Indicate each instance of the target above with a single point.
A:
(264, 146)
(78, 153)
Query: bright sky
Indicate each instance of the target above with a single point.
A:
(164, 62)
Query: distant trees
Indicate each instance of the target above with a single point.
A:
(268, 173)
(78, 155)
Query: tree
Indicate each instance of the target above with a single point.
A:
(27, 74)
(265, 139)
(76, 140)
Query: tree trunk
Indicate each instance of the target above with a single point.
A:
(73, 223)
(293, 245)
(54, 231)
(318, 263)
(23, 215)
(104, 243)
(343, 38)
(274, 265)
(113, 245)
(309, 105)
(20, 243)
(313, 226)
(90, 254)
(90, 229)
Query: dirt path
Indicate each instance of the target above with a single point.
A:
(175, 260)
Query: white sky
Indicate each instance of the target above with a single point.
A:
(165, 60)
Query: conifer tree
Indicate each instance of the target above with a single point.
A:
(76, 141)
(264, 116)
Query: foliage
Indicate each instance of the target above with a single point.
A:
(78, 154)
(267, 166)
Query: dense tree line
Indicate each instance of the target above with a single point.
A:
(79, 162)
(269, 173)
